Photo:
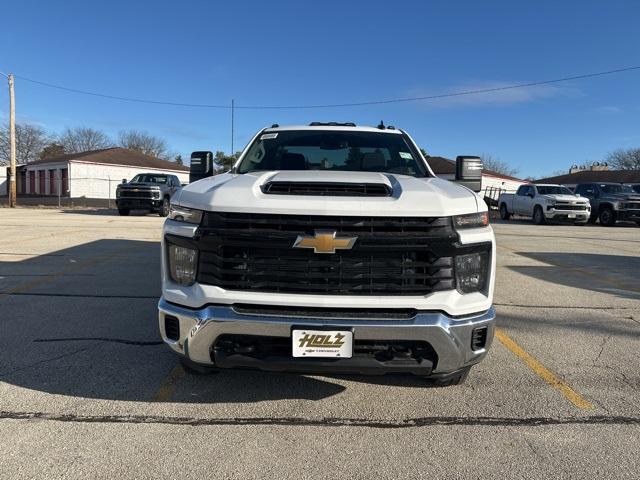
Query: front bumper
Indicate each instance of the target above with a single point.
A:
(628, 215)
(568, 215)
(450, 339)
(141, 203)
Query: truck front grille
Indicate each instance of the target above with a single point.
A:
(569, 206)
(139, 194)
(393, 256)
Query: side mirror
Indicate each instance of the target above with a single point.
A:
(469, 172)
(531, 194)
(201, 166)
(124, 180)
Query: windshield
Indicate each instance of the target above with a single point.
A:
(554, 190)
(332, 150)
(149, 178)
(616, 189)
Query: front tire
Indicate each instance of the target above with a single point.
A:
(607, 217)
(504, 213)
(124, 212)
(538, 216)
(164, 208)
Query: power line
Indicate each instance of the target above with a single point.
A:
(336, 105)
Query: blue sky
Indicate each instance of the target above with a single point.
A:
(295, 53)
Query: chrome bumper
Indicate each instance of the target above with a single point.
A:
(579, 215)
(449, 337)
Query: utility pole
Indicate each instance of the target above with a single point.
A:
(232, 121)
(12, 141)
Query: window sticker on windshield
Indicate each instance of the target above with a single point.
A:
(406, 155)
(268, 136)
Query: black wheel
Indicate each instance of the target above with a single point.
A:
(579, 224)
(193, 368)
(593, 219)
(164, 208)
(538, 216)
(638, 223)
(457, 378)
(123, 211)
(607, 217)
(504, 213)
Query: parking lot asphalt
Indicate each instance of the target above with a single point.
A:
(87, 390)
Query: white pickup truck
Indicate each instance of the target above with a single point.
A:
(330, 248)
(545, 202)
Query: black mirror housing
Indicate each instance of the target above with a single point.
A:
(201, 166)
(469, 172)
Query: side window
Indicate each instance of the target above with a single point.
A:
(522, 190)
(532, 190)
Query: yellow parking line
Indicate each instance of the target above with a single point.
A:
(168, 386)
(543, 372)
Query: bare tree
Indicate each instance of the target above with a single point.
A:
(51, 151)
(624, 159)
(492, 163)
(83, 139)
(144, 142)
(30, 140)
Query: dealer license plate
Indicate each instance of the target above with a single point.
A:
(322, 343)
(572, 215)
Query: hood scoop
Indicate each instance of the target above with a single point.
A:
(327, 189)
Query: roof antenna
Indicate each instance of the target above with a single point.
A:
(381, 126)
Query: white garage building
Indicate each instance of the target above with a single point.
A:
(92, 175)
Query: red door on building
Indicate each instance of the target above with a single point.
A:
(41, 183)
(65, 181)
(23, 182)
(53, 183)
(32, 182)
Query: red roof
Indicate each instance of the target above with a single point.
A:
(589, 176)
(115, 156)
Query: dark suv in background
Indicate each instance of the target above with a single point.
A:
(611, 202)
(147, 191)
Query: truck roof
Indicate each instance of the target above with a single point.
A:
(341, 128)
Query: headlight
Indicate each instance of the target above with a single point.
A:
(183, 262)
(184, 214)
(471, 272)
(472, 220)
(156, 194)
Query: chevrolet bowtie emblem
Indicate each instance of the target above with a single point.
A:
(324, 241)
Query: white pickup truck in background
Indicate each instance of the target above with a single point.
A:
(545, 202)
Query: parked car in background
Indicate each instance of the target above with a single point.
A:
(545, 202)
(611, 202)
(634, 186)
(147, 191)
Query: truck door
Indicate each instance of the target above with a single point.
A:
(520, 200)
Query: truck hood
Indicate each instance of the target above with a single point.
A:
(616, 197)
(566, 198)
(138, 185)
(410, 196)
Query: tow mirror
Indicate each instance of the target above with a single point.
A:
(469, 172)
(201, 166)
